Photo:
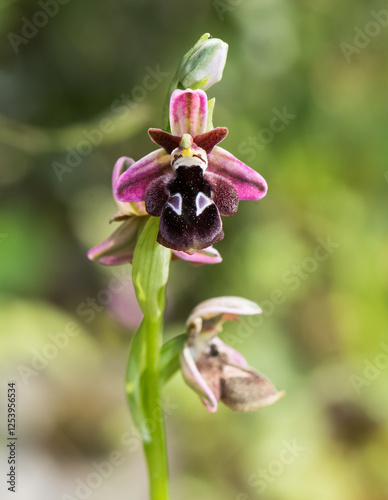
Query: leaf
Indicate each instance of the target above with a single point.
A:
(135, 367)
(150, 270)
(169, 357)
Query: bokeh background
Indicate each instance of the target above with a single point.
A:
(323, 338)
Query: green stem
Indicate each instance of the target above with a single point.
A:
(150, 274)
(155, 449)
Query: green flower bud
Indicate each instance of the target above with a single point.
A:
(204, 64)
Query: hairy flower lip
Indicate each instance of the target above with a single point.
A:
(119, 247)
(228, 180)
(216, 371)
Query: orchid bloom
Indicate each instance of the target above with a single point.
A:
(216, 371)
(120, 246)
(190, 181)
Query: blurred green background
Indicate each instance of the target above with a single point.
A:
(323, 338)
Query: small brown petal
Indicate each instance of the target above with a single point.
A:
(208, 140)
(163, 139)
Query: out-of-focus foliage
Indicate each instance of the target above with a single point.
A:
(304, 109)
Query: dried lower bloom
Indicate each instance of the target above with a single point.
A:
(190, 181)
(216, 371)
(120, 246)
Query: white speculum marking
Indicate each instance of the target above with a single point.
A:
(201, 202)
(175, 202)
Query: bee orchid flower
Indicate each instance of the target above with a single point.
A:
(216, 371)
(190, 181)
(119, 247)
